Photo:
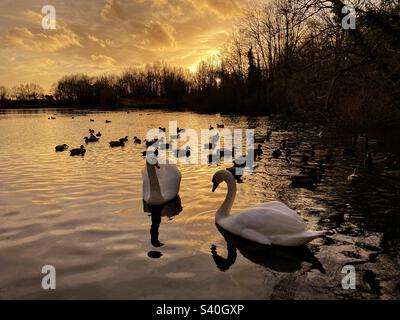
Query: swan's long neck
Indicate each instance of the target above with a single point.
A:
(155, 189)
(226, 206)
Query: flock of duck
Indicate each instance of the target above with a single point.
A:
(267, 223)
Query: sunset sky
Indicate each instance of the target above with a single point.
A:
(108, 36)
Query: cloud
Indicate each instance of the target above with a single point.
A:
(100, 42)
(32, 16)
(45, 62)
(51, 41)
(112, 10)
(102, 60)
(110, 35)
(159, 36)
(224, 8)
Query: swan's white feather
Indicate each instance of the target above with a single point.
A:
(169, 178)
(270, 223)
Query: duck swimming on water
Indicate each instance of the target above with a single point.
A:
(61, 148)
(115, 144)
(78, 152)
(91, 139)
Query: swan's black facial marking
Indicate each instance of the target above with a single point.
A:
(215, 184)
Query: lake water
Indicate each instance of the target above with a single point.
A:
(85, 216)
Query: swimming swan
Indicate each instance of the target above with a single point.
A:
(266, 223)
(161, 183)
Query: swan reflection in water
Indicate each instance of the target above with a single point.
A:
(170, 209)
(276, 258)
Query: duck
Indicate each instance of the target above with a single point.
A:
(276, 153)
(237, 173)
(211, 127)
(154, 153)
(61, 147)
(91, 139)
(114, 144)
(356, 177)
(179, 130)
(124, 139)
(271, 223)
(162, 129)
(98, 134)
(136, 140)
(108, 121)
(91, 120)
(53, 118)
(91, 131)
(237, 170)
(150, 143)
(161, 183)
(220, 126)
(78, 152)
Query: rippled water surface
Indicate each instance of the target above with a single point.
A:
(85, 216)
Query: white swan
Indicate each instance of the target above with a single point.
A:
(161, 183)
(267, 223)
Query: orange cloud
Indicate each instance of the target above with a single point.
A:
(102, 60)
(159, 36)
(112, 10)
(51, 41)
